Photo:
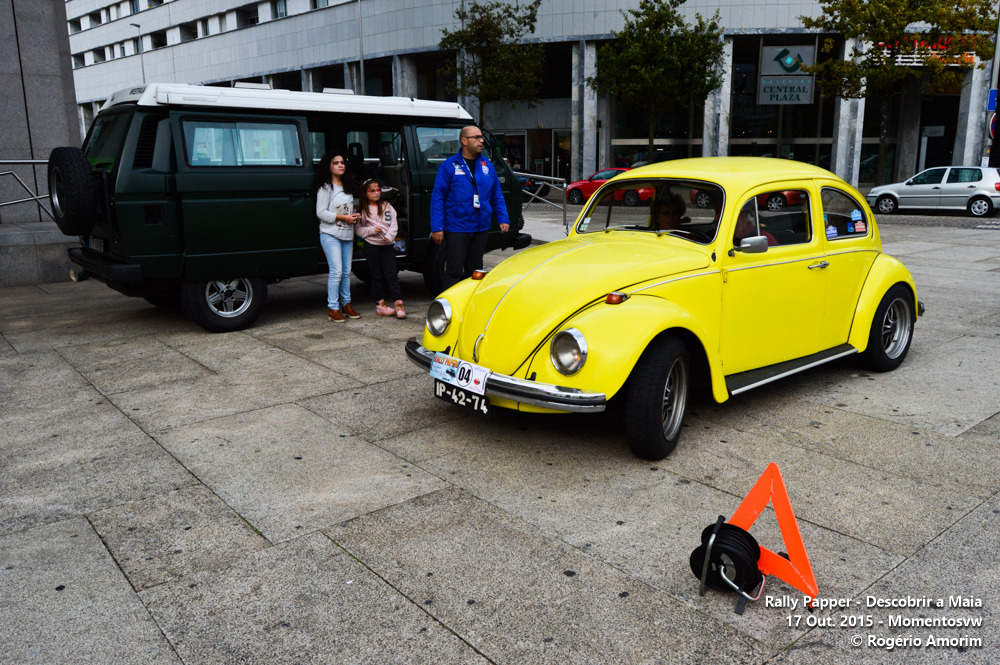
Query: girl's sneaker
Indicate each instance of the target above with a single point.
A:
(400, 312)
(381, 309)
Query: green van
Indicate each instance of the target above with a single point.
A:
(203, 195)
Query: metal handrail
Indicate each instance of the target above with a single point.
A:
(557, 183)
(31, 194)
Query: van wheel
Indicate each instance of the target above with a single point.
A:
(434, 269)
(73, 191)
(224, 305)
(656, 398)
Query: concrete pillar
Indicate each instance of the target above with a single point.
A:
(352, 78)
(404, 76)
(583, 121)
(717, 109)
(909, 132)
(848, 123)
(971, 126)
(307, 80)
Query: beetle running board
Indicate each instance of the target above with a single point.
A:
(744, 381)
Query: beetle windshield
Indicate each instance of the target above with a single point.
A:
(683, 208)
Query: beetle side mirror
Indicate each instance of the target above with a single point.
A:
(752, 245)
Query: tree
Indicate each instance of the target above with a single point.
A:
(493, 64)
(658, 62)
(928, 41)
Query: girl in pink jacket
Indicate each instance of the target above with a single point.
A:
(378, 228)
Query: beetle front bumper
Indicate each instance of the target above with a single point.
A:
(558, 398)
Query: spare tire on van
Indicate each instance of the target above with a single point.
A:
(73, 191)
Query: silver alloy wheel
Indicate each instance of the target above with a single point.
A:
(57, 193)
(631, 198)
(980, 207)
(229, 299)
(702, 200)
(675, 390)
(897, 326)
(775, 202)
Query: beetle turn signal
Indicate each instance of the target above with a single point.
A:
(616, 298)
(478, 274)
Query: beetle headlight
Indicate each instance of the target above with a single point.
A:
(568, 351)
(438, 317)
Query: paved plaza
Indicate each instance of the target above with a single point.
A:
(294, 494)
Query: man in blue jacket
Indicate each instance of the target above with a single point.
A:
(466, 197)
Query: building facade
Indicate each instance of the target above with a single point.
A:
(386, 47)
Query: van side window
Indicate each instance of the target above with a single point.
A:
(210, 143)
(104, 143)
(843, 217)
(437, 144)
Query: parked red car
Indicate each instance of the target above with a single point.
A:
(771, 201)
(579, 191)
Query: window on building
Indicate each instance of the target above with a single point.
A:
(158, 39)
(319, 4)
(279, 9)
(94, 18)
(204, 28)
(247, 16)
(133, 6)
(241, 143)
(222, 22)
(99, 55)
(154, 3)
(189, 31)
(137, 45)
(74, 26)
(78, 60)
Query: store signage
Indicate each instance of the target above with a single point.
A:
(782, 80)
(785, 90)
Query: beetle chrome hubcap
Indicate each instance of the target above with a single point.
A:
(674, 398)
(896, 327)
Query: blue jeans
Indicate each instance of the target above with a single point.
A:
(338, 256)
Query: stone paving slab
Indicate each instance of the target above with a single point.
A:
(298, 603)
(135, 363)
(75, 454)
(63, 600)
(42, 375)
(519, 597)
(175, 534)
(287, 471)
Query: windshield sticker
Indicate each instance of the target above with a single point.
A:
(855, 215)
(850, 227)
(831, 231)
(860, 227)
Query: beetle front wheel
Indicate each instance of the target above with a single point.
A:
(891, 331)
(656, 398)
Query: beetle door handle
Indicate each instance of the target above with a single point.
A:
(821, 264)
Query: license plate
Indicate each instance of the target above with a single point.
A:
(97, 244)
(459, 373)
(460, 397)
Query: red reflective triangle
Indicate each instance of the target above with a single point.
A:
(796, 571)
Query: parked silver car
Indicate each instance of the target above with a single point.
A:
(972, 188)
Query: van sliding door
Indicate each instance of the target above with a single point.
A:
(245, 188)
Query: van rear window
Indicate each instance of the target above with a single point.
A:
(104, 144)
(209, 143)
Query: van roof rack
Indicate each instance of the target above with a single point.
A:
(206, 96)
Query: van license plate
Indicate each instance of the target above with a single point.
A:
(464, 398)
(97, 244)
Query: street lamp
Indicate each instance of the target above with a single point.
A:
(361, 49)
(138, 45)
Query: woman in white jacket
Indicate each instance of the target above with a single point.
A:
(337, 217)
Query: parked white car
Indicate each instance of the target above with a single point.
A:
(972, 188)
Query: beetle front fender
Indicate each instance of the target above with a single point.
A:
(885, 272)
(617, 336)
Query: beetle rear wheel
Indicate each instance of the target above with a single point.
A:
(892, 330)
(656, 398)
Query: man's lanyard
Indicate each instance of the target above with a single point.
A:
(471, 173)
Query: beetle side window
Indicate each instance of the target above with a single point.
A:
(843, 217)
(211, 143)
(785, 216)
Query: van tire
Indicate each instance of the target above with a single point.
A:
(224, 305)
(72, 191)
(434, 269)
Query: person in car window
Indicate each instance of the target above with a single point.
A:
(668, 213)
(335, 209)
(746, 226)
(466, 196)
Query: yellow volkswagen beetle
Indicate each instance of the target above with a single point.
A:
(639, 302)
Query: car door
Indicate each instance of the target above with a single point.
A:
(959, 185)
(773, 302)
(922, 190)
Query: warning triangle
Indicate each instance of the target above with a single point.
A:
(795, 571)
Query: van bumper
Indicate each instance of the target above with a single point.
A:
(522, 240)
(104, 268)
